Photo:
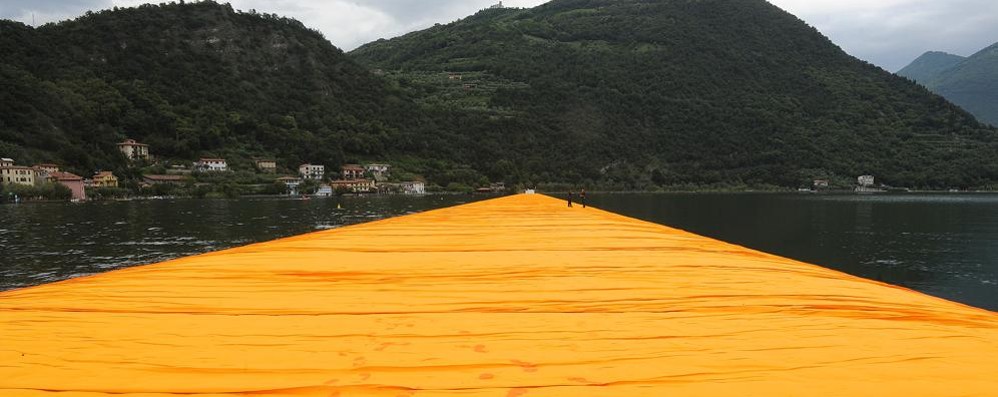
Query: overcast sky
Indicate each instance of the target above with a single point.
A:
(889, 33)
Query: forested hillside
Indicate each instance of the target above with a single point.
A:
(688, 92)
(190, 80)
(624, 94)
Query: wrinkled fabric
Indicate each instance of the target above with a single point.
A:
(518, 296)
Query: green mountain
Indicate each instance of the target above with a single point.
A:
(971, 83)
(930, 65)
(622, 94)
(189, 79)
(681, 91)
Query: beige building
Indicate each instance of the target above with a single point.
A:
(267, 166)
(17, 175)
(311, 171)
(6, 162)
(134, 150)
(50, 168)
(163, 179)
(105, 179)
(43, 171)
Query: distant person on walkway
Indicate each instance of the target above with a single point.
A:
(582, 198)
(570, 198)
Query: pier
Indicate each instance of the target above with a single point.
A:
(513, 297)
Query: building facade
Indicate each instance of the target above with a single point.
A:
(413, 187)
(266, 166)
(50, 168)
(325, 191)
(211, 165)
(378, 169)
(134, 150)
(355, 186)
(17, 175)
(291, 183)
(105, 179)
(351, 172)
(163, 179)
(312, 171)
(6, 162)
(45, 170)
(73, 182)
(866, 181)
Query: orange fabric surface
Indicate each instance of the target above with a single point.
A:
(517, 296)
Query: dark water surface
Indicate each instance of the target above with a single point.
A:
(944, 245)
(41, 243)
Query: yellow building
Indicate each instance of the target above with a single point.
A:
(17, 175)
(105, 179)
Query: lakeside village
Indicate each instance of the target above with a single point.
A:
(206, 177)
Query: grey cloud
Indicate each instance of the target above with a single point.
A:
(48, 10)
(892, 36)
(13, 6)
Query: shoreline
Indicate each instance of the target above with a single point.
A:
(553, 193)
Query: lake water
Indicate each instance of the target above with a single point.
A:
(50, 242)
(944, 245)
(941, 244)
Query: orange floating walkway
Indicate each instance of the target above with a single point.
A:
(517, 296)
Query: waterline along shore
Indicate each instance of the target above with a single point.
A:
(516, 296)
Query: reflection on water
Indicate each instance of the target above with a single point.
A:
(943, 245)
(50, 242)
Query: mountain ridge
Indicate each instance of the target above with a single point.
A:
(611, 94)
(747, 77)
(971, 83)
(929, 65)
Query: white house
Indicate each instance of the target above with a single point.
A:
(414, 187)
(325, 191)
(292, 184)
(378, 170)
(866, 181)
(6, 162)
(311, 171)
(211, 165)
